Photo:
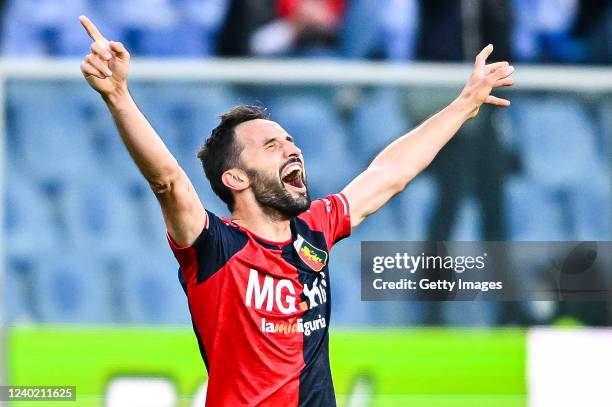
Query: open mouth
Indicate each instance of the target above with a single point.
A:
(292, 176)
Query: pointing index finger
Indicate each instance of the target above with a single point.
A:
(91, 29)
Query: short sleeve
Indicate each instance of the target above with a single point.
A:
(330, 216)
(215, 245)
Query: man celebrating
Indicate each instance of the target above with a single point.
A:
(258, 284)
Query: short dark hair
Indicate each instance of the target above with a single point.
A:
(221, 151)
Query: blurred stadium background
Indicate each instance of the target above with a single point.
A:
(89, 290)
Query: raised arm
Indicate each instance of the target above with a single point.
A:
(406, 157)
(106, 71)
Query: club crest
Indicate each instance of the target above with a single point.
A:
(314, 257)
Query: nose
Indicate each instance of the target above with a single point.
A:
(292, 150)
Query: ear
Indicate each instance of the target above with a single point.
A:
(235, 179)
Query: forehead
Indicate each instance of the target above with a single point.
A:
(259, 131)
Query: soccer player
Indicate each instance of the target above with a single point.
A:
(258, 284)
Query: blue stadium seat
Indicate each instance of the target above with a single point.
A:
(184, 113)
(195, 108)
(309, 118)
(416, 205)
(184, 119)
(110, 155)
(207, 14)
(533, 212)
(313, 122)
(152, 290)
(132, 18)
(15, 294)
(378, 120)
(50, 27)
(22, 37)
(556, 139)
(155, 105)
(468, 223)
(99, 215)
(188, 40)
(565, 157)
(591, 208)
(49, 120)
(344, 266)
(146, 218)
(382, 225)
(28, 223)
(605, 127)
(72, 287)
(192, 24)
(43, 27)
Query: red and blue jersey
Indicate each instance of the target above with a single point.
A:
(261, 309)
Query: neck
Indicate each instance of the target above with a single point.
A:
(265, 224)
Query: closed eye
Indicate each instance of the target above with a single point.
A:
(274, 142)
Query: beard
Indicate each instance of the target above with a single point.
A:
(275, 200)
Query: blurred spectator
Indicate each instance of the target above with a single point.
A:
(473, 162)
(593, 25)
(281, 27)
(450, 30)
(553, 31)
(401, 20)
(457, 30)
(563, 31)
(2, 14)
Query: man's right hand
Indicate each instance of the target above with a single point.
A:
(106, 67)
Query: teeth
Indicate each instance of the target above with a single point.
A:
(291, 168)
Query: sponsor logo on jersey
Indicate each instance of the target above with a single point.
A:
(316, 293)
(273, 291)
(293, 326)
(312, 256)
(282, 293)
